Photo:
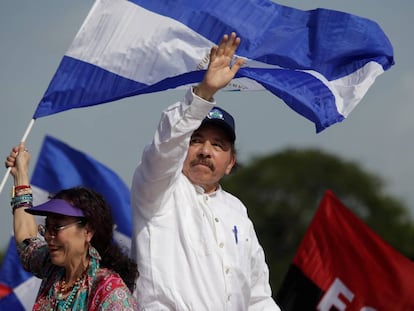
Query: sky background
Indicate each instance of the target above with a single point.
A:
(34, 35)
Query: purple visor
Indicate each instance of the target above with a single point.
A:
(55, 206)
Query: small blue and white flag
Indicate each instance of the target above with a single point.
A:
(59, 166)
(22, 286)
(319, 62)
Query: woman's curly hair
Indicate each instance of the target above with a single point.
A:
(99, 219)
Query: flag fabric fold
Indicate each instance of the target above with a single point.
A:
(60, 166)
(342, 264)
(319, 62)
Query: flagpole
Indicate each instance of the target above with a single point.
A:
(26, 133)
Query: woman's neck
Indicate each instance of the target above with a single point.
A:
(76, 271)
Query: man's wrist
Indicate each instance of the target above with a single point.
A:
(202, 94)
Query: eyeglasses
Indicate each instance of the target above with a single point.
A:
(54, 230)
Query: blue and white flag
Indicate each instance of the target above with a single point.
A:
(22, 286)
(59, 166)
(319, 62)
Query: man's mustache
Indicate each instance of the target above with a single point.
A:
(205, 162)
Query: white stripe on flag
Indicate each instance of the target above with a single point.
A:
(350, 88)
(27, 291)
(39, 195)
(121, 37)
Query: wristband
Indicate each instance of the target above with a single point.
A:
(19, 188)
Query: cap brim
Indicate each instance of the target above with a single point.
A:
(223, 125)
(55, 206)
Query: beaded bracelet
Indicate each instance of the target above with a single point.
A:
(23, 204)
(21, 201)
(21, 189)
(23, 192)
(20, 198)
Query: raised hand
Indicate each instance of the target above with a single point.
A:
(18, 160)
(220, 70)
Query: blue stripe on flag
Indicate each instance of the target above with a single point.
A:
(320, 62)
(11, 303)
(324, 40)
(296, 88)
(92, 85)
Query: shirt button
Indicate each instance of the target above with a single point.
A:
(216, 219)
(228, 297)
(227, 270)
(221, 245)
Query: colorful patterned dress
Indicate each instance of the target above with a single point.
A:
(102, 289)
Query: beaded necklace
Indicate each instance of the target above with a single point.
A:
(63, 304)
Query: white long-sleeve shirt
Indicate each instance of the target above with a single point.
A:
(195, 251)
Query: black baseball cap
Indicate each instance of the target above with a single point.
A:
(223, 119)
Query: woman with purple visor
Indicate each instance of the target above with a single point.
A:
(74, 254)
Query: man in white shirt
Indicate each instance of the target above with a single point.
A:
(195, 246)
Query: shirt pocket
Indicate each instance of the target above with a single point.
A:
(242, 245)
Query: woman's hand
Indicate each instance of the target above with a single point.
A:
(18, 160)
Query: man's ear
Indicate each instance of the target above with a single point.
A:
(231, 163)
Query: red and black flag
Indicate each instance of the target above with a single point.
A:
(341, 264)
